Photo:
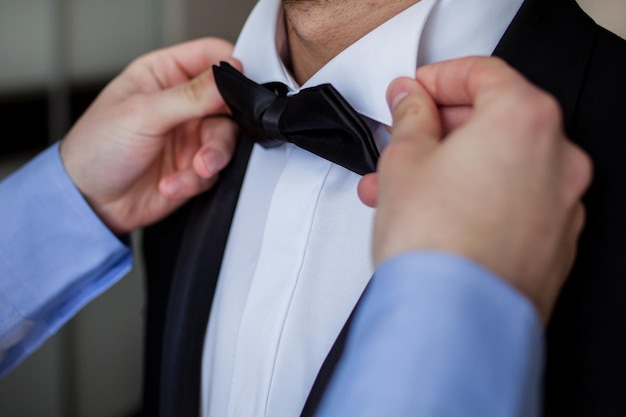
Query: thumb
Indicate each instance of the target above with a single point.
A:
(197, 98)
(368, 189)
(416, 120)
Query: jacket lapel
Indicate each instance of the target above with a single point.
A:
(193, 287)
(550, 42)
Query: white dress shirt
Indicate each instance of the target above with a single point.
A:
(298, 254)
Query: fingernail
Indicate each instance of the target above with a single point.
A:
(172, 188)
(398, 98)
(213, 162)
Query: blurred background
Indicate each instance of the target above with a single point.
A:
(55, 56)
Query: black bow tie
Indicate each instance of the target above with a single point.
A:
(317, 119)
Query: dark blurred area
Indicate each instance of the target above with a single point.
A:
(24, 116)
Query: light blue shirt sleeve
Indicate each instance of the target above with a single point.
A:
(55, 256)
(439, 336)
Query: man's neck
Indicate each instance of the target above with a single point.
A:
(318, 30)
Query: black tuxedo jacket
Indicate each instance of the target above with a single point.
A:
(558, 47)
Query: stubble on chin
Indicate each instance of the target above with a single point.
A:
(306, 3)
(303, 1)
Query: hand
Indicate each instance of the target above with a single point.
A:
(491, 177)
(156, 136)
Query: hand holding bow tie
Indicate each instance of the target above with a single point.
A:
(157, 135)
(502, 186)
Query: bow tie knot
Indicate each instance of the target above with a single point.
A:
(317, 119)
(270, 119)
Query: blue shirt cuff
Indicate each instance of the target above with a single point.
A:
(438, 335)
(55, 255)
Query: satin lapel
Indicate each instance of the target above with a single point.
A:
(193, 287)
(550, 42)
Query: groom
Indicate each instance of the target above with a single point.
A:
(251, 286)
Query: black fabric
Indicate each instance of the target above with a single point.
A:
(179, 338)
(559, 48)
(317, 119)
(160, 271)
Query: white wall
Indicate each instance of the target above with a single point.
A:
(23, 30)
(98, 37)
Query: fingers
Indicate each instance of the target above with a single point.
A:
(180, 63)
(185, 184)
(368, 189)
(173, 85)
(415, 124)
(469, 81)
(453, 117)
(415, 116)
(163, 110)
(218, 138)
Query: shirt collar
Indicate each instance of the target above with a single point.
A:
(437, 29)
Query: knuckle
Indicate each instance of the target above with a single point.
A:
(541, 108)
(497, 62)
(538, 113)
(137, 65)
(492, 66)
(490, 71)
(193, 90)
(221, 131)
(548, 109)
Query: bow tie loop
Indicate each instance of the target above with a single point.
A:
(270, 120)
(317, 119)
